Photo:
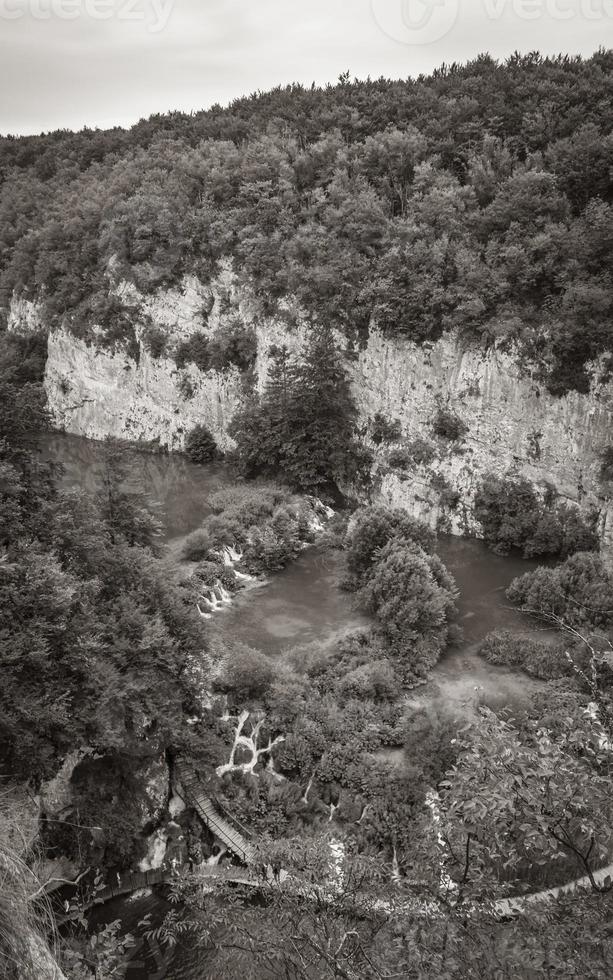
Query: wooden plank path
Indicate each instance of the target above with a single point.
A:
(222, 825)
(133, 881)
(235, 837)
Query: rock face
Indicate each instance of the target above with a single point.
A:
(512, 422)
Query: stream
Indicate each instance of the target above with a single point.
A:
(298, 606)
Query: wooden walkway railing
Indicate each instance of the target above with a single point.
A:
(230, 832)
(222, 825)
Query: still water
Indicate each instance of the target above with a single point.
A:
(301, 605)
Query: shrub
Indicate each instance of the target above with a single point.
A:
(606, 465)
(210, 572)
(248, 673)
(195, 350)
(186, 386)
(384, 430)
(447, 495)
(399, 459)
(196, 545)
(578, 592)
(200, 445)
(420, 451)
(235, 347)
(412, 596)
(376, 681)
(512, 516)
(372, 529)
(154, 340)
(448, 425)
(535, 658)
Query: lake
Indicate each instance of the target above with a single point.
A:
(300, 605)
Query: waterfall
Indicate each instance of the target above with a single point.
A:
(156, 852)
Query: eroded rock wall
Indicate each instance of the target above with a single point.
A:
(513, 423)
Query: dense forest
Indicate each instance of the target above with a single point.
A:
(477, 199)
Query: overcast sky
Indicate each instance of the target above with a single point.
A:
(70, 63)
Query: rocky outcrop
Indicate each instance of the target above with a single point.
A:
(512, 422)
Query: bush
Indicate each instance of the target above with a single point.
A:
(578, 592)
(235, 347)
(196, 545)
(606, 465)
(200, 445)
(447, 495)
(195, 350)
(399, 459)
(533, 657)
(420, 451)
(372, 529)
(186, 386)
(375, 681)
(448, 425)
(384, 430)
(412, 596)
(417, 452)
(512, 516)
(210, 572)
(248, 673)
(154, 340)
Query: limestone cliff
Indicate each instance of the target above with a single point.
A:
(512, 421)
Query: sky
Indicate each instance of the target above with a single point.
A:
(99, 63)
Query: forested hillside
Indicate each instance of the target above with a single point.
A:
(479, 198)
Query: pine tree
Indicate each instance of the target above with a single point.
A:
(321, 450)
(303, 428)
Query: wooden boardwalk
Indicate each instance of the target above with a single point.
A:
(222, 825)
(228, 831)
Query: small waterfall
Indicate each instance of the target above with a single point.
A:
(224, 595)
(156, 852)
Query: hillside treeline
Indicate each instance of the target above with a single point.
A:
(476, 199)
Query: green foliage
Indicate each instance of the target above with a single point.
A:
(200, 445)
(448, 425)
(196, 546)
(606, 465)
(412, 597)
(412, 453)
(529, 801)
(234, 346)
(123, 508)
(247, 674)
(448, 497)
(155, 340)
(195, 350)
(578, 592)
(384, 430)
(399, 459)
(537, 659)
(513, 516)
(373, 200)
(304, 425)
(372, 529)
